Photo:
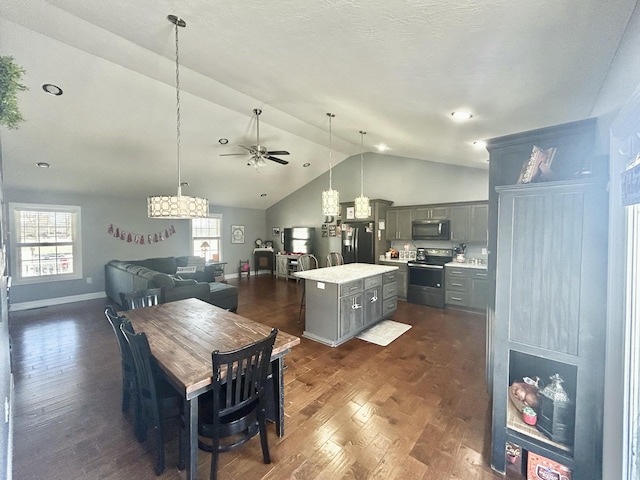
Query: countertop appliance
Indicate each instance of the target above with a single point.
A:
(426, 276)
(358, 242)
(430, 229)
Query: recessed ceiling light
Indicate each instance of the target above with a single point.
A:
(223, 141)
(306, 165)
(480, 144)
(184, 184)
(52, 89)
(263, 194)
(382, 147)
(461, 115)
(43, 165)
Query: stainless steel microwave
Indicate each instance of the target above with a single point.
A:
(430, 230)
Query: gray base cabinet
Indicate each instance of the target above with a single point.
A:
(402, 278)
(466, 288)
(336, 313)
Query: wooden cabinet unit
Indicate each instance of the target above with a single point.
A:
(399, 224)
(431, 213)
(466, 287)
(402, 277)
(550, 310)
(286, 266)
(342, 301)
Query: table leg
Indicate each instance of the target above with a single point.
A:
(191, 417)
(277, 369)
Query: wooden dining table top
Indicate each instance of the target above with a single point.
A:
(182, 335)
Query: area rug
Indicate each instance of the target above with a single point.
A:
(384, 333)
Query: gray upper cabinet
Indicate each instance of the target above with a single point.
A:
(399, 224)
(459, 217)
(478, 222)
(431, 213)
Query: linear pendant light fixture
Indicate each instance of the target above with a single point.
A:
(362, 202)
(178, 206)
(330, 198)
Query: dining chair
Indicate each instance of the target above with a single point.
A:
(128, 369)
(141, 298)
(158, 400)
(305, 262)
(244, 268)
(235, 409)
(334, 259)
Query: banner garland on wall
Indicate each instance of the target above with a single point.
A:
(140, 238)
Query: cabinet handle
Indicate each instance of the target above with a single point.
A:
(456, 298)
(481, 274)
(456, 284)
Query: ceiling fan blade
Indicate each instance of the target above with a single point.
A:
(278, 152)
(231, 154)
(275, 159)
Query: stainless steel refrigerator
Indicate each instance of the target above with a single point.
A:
(358, 242)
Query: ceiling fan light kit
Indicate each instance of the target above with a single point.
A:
(179, 206)
(331, 197)
(362, 202)
(259, 152)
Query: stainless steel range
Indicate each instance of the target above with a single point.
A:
(426, 276)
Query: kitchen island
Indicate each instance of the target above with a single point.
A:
(342, 301)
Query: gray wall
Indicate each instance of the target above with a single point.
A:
(404, 181)
(129, 214)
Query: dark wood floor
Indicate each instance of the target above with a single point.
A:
(416, 409)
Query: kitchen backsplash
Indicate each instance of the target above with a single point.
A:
(474, 250)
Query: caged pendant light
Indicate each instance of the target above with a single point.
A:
(362, 202)
(178, 206)
(330, 198)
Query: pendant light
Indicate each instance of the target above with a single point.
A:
(178, 206)
(330, 198)
(362, 202)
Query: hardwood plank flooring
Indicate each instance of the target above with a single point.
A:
(416, 409)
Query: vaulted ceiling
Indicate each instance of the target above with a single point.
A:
(394, 68)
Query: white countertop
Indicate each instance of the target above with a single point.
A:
(467, 265)
(394, 260)
(345, 273)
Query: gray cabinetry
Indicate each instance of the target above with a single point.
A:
(459, 217)
(286, 266)
(466, 288)
(550, 306)
(336, 312)
(402, 278)
(399, 224)
(478, 222)
(351, 307)
(431, 213)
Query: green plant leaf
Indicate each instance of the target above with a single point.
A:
(10, 77)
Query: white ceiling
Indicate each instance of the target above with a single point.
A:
(395, 68)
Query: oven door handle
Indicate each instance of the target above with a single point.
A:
(430, 267)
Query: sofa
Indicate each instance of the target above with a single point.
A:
(177, 278)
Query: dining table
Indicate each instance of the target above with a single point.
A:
(182, 335)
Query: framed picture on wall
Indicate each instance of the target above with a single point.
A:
(237, 233)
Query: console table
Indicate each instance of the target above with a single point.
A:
(263, 259)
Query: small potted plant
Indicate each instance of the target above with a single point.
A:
(529, 416)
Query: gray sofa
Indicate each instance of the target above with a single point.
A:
(125, 276)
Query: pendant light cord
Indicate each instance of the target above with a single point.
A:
(178, 22)
(362, 134)
(330, 115)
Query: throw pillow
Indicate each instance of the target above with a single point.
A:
(197, 262)
(191, 269)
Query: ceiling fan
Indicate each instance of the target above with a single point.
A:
(259, 152)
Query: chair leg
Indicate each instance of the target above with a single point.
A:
(302, 302)
(215, 450)
(262, 423)
(159, 446)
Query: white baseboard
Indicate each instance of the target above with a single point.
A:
(48, 302)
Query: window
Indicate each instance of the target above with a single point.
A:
(45, 243)
(205, 238)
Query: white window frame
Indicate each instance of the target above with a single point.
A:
(197, 252)
(76, 243)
